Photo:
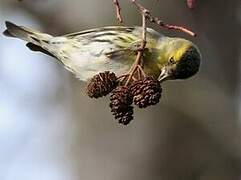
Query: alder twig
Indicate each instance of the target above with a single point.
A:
(118, 10)
(159, 22)
(139, 56)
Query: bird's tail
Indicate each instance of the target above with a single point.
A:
(26, 34)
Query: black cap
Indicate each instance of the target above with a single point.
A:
(188, 65)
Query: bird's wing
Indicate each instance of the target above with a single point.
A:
(101, 30)
(125, 40)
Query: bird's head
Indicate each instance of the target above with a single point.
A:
(180, 59)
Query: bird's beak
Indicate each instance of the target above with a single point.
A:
(164, 75)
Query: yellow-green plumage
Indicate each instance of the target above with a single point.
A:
(113, 49)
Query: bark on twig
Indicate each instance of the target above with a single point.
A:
(137, 63)
(159, 22)
(118, 10)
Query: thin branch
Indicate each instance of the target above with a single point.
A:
(118, 10)
(139, 56)
(159, 22)
(171, 27)
(141, 71)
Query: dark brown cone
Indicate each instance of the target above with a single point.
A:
(121, 100)
(101, 84)
(146, 92)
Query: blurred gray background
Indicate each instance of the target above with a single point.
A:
(50, 130)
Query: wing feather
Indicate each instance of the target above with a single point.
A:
(103, 29)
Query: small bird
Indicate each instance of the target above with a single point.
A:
(114, 49)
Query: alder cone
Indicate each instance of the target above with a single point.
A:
(121, 100)
(101, 84)
(146, 92)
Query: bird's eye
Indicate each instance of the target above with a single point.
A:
(171, 60)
